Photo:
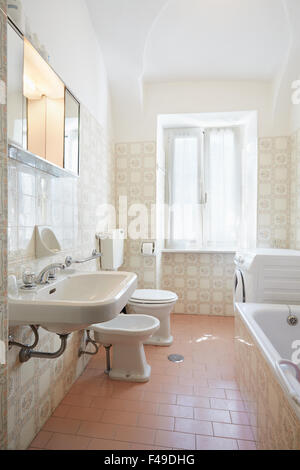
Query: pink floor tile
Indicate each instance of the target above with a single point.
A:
(232, 405)
(188, 400)
(176, 411)
(41, 439)
(238, 417)
(235, 431)
(84, 413)
(119, 417)
(137, 435)
(183, 405)
(215, 443)
(165, 423)
(67, 442)
(176, 440)
(246, 445)
(104, 444)
(98, 430)
(193, 427)
(62, 425)
(203, 414)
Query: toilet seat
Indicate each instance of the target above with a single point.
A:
(152, 297)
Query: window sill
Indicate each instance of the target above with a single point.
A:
(202, 250)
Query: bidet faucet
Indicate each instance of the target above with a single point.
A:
(43, 277)
(69, 260)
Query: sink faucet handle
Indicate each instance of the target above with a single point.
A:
(28, 278)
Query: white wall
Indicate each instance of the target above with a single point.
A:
(196, 97)
(74, 51)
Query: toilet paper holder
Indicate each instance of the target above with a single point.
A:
(148, 249)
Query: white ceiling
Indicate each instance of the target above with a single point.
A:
(160, 40)
(217, 39)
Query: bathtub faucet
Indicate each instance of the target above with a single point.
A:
(291, 319)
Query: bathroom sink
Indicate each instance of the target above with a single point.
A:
(73, 302)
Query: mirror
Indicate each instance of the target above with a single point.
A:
(45, 107)
(43, 116)
(71, 159)
(16, 103)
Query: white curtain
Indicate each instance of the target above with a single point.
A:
(185, 188)
(223, 186)
(203, 189)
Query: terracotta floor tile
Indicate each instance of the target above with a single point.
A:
(232, 395)
(61, 411)
(98, 430)
(232, 405)
(178, 389)
(177, 440)
(247, 445)
(157, 397)
(119, 417)
(84, 413)
(176, 411)
(164, 379)
(232, 385)
(77, 400)
(62, 425)
(187, 400)
(215, 443)
(104, 444)
(128, 394)
(67, 442)
(203, 414)
(181, 404)
(194, 427)
(136, 435)
(165, 423)
(209, 392)
(41, 439)
(234, 431)
(145, 447)
(238, 417)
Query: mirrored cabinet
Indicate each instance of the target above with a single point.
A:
(43, 115)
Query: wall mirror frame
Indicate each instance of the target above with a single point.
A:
(43, 114)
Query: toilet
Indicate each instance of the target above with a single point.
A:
(127, 333)
(147, 323)
(159, 304)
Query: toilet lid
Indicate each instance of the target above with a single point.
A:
(151, 296)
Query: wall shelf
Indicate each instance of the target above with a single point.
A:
(28, 158)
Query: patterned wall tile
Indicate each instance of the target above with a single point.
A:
(274, 185)
(3, 232)
(273, 421)
(136, 180)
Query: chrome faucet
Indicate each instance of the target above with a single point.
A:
(49, 272)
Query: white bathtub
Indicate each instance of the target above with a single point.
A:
(278, 341)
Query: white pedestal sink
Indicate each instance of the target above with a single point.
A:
(73, 302)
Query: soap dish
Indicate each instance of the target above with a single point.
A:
(46, 243)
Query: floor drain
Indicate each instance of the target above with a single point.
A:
(176, 358)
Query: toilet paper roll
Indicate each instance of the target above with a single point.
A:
(147, 249)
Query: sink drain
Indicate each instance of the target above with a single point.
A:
(176, 358)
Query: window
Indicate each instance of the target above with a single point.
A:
(203, 188)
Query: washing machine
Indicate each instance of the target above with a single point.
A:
(267, 276)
